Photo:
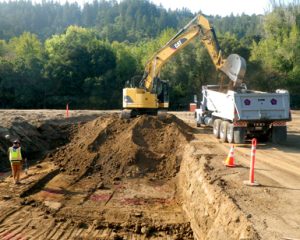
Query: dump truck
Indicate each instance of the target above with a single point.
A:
(237, 113)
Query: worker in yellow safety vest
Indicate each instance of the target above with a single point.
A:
(15, 158)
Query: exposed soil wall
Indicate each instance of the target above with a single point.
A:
(213, 215)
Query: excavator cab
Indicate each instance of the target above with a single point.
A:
(163, 94)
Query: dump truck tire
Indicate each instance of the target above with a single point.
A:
(216, 128)
(230, 132)
(223, 131)
(239, 135)
(279, 134)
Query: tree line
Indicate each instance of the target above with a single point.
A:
(52, 54)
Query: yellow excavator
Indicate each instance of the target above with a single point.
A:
(152, 93)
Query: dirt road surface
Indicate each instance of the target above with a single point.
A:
(273, 207)
(76, 189)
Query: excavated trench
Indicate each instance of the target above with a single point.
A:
(118, 179)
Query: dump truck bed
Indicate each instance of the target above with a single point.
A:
(249, 105)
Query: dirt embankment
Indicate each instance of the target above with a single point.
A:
(40, 131)
(212, 213)
(36, 140)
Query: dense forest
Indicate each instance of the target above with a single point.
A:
(52, 54)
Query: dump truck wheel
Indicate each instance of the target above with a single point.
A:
(230, 133)
(279, 134)
(239, 135)
(223, 131)
(216, 128)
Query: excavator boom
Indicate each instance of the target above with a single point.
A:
(152, 95)
(234, 66)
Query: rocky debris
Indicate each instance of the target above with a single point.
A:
(27, 201)
(100, 185)
(53, 205)
(6, 197)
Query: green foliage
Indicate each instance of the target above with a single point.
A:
(53, 54)
(21, 64)
(78, 65)
(129, 20)
(240, 26)
(279, 52)
(3, 48)
(127, 66)
(27, 46)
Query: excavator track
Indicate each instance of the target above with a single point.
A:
(126, 114)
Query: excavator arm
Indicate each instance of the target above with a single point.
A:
(234, 67)
(154, 65)
(210, 41)
(152, 93)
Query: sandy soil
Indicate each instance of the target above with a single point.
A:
(110, 179)
(273, 207)
(93, 176)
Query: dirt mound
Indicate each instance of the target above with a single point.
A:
(113, 148)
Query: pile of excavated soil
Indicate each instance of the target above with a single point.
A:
(113, 148)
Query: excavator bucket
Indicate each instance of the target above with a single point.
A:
(235, 68)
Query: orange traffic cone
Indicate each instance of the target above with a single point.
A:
(230, 158)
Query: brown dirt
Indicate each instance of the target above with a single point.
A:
(273, 207)
(106, 178)
(113, 148)
(216, 216)
(40, 132)
(113, 175)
